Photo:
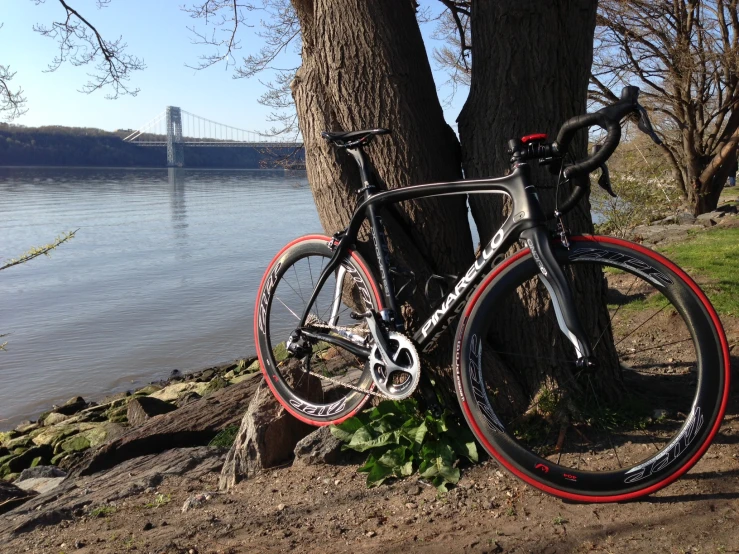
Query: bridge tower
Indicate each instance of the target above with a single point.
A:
(175, 148)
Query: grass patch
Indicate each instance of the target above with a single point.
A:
(159, 500)
(713, 254)
(226, 437)
(102, 511)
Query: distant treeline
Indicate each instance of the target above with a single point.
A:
(82, 146)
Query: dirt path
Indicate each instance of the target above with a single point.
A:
(328, 508)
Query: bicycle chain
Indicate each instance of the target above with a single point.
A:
(315, 322)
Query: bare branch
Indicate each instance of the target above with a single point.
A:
(685, 56)
(455, 58)
(40, 250)
(226, 16)
(12, 102)
(80, 43)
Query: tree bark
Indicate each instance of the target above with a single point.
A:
(364, 65)
(531, 65)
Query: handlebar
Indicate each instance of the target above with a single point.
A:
(608, 118)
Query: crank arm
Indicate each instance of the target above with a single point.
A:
(382, 344)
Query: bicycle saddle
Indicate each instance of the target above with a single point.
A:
(352, 138)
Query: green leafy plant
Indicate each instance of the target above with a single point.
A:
(402, 441)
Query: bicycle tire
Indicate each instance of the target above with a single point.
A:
(557, 439)
(283, 294)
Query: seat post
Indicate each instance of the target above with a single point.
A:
(368, 181)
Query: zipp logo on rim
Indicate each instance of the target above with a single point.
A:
(642, 268)
(481, 399)
(671, 452)
(312, 409)
(264, 300)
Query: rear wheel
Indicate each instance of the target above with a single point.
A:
(573, 436)
(329, 383)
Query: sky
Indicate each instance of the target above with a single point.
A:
(157, 32)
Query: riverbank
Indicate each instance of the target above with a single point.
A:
(60, 436)
(155, 488)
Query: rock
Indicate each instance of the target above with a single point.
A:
(147, 390)
(75, 443)
(56, 434)
(196, 423)
(319, 447)
(709, 218)
(196, 501)
(217, 383)
(71, 406)
(94, 435)
(190, 464)
(42, 472)
(54, 418)
(57, 459)
(268, 433)
(254, 366)
(117, 397)
(26, 427)
(665, 221)
(19, 463)
(11, 496)
(171, 392)
(23, 441)
(187, 397)
(41, 485)
(244, 377)
(7, 435)
(117, 414)
(207, 375)
(145, 407)
(685, 218)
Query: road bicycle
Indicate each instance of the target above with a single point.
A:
(619, 391)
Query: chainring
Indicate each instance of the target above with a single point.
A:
(398, 384)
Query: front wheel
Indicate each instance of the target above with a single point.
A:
(327, 383)
(633, 424)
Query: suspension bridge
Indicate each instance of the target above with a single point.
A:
(176, 128)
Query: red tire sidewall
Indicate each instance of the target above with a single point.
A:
(360, 262)
(463, 396)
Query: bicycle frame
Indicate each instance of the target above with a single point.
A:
(526, 222)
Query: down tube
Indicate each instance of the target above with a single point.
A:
(428, 335)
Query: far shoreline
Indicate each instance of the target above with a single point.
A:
(144, 168)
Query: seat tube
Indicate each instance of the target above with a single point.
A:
(553, 278)
(382, 253)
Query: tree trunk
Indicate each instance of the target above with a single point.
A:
(530, 73)
(364, 65)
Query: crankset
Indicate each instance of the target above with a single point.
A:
(393, 363)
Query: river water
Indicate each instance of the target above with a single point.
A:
(162, 274)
